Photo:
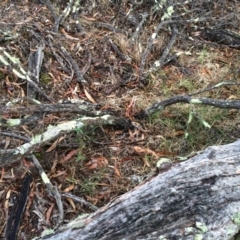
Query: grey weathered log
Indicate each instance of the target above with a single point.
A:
(195, 199)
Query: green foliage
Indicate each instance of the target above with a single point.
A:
(202, 126)
(45, 78)
(203, 56)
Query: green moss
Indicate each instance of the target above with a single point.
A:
(45, 78)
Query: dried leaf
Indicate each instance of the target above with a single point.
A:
(95, 162)
(116, 149)
(68, 36)
(6, 203)
(115, 168)
(129, 109)
(89, 97)
(54, 145)
(69, 155)
(60, 173)
(69, 188)
(7, 142)
(144, 150)
(146, 162)
(89, 18)
(129, 158)
(206, 71)
(72, 204)
(2, 175)
(232, 97)
(48, 213)
(55, 162)
(163, 153)
(27, 163)
(176, 133)
(93, 166)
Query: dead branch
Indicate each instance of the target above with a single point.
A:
(196, 199)
(17, 210)
(83, 108)
(53, 191)
(190, 100)
(7, 157)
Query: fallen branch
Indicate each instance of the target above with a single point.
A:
(8, 157)
(80, 108)
(196, 199)
(17, 210)
(188, 99)
(53, 191)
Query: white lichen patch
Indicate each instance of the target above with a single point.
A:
(196, 101)
(198, 237)
(106, 117)
(154, 35)
(23, 149)
(45, 178)
(202, 226)
(3, 60)
(13, 122)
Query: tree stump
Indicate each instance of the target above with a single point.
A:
(195, 199)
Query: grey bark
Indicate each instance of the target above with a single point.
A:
(196, 199)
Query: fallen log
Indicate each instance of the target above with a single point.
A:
(195, 199)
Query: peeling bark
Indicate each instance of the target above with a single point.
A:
(196, 199)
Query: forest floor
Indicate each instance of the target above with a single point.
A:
(116, 52)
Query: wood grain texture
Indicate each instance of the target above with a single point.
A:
(196, 199)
